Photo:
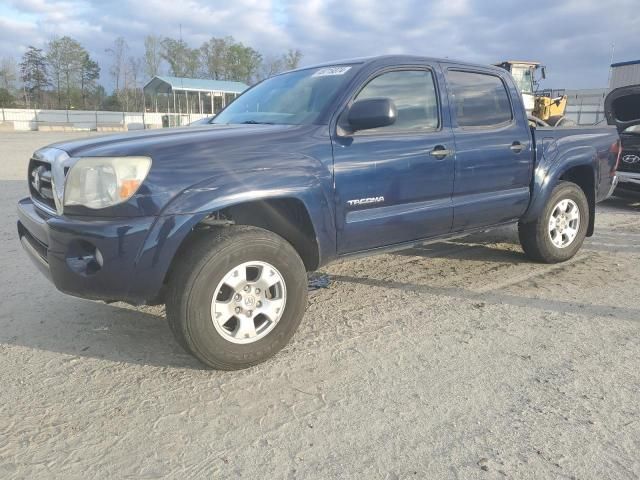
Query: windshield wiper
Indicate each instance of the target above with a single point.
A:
(255, 122)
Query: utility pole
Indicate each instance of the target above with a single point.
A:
(613, 49)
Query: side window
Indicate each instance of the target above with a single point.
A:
(414, 94)
(479, 100)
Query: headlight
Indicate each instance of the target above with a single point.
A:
(99, 182)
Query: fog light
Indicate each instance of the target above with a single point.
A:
(84, 258)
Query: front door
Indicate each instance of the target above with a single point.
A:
(394, 184)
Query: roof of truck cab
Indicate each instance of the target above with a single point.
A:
(397, 59)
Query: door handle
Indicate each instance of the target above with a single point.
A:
(440, 151)
(516, 147)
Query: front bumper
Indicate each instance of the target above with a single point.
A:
(86, 257)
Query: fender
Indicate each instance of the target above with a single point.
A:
(558, 156)
(305, 179)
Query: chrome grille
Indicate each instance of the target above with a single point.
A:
(40, 183)
(630, 150)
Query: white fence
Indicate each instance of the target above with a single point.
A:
(584, 108)
(34, 119)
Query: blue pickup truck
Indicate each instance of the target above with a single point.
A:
(222, 221)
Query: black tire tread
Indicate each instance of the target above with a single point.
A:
(533, 235)
(195, 255)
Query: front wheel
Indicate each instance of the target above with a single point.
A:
(236, 296)
(557, 234)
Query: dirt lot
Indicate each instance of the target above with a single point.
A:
(458, 360)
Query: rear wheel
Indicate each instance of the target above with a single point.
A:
(236, 296)
(558, 233)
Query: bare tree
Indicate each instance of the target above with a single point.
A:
(8, 74)
(152, 55)
(54, 60)
(271, 65)
(118, 54)
(134, 73)
(291, 59)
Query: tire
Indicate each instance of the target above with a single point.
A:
(560, 121)
(204, 265)
(536, 238)
(554, 120)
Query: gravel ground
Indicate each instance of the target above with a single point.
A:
(457, 360)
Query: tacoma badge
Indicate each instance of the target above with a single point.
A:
(365, 201)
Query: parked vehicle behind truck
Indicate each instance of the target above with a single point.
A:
(222, 221)
(627, 99)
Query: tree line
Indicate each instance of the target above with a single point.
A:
(64, 75)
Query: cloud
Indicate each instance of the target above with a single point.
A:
(573, 38)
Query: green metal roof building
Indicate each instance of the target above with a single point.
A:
(192, 95)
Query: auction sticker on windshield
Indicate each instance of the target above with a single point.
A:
(328, 71)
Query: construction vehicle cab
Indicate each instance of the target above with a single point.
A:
(544, 106)
(523, 74)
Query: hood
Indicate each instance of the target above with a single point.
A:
(185, 157)
(148, 142)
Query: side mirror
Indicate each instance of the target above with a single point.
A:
(372, 113)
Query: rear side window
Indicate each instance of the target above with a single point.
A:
(479, 100)
(414, 94)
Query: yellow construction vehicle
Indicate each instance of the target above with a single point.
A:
(541, 107)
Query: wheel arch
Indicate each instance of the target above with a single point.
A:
(287, 217)
(584, 177)
(577, 165)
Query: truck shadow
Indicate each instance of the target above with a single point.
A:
(628, 202)
(501, 245)
(465, 251)
(34, 315)
(499, 298)
(107, 332)
(490, 246)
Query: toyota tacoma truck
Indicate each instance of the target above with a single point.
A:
(222, 221)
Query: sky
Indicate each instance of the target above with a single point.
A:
(573, 38)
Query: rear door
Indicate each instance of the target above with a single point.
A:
(494, 160)
(394, 184)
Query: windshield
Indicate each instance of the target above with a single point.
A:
(294, 98)
(524, 78)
